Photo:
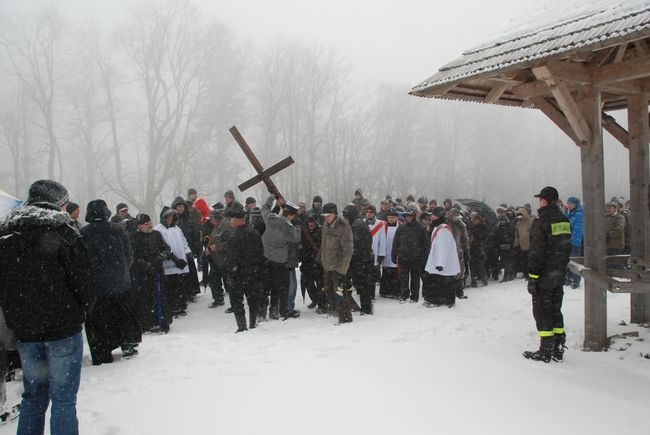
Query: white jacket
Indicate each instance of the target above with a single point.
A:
(378, 239)
(443, 252)
(176, 240)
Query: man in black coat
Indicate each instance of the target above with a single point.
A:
(190, 227)
(112, 323)
(149, 251)
(550, 248)
(361, 265)
(311, 272)
(46, 292)
(244, 256)
(410, 251)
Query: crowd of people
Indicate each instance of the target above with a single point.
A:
(123, 276)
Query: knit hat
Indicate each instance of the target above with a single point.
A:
(250, 200)
(573, 200)
(255, 211)
(372, 209)
(121, 206)
(392, 212)
(97, 211)
(237, 213)
(48, 191)
(71, 207)
(438, 212)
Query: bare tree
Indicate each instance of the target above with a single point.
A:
(32, 46)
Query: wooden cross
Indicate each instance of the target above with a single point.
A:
(263, 175)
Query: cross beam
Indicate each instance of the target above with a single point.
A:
(263, 175)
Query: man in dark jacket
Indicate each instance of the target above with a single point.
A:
(410, 250)
(311, 272)
(550, 247)
(46, 293)
(244, 257)
(190, 227)
(112, 323)
(149, 251)
(361, 265)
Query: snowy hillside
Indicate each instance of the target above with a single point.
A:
(406, 370)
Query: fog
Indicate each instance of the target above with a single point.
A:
(132, 101)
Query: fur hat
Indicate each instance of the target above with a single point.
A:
(97, 211)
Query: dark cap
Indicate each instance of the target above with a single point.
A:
(48, 191)
(121, 206)
(438, 212)
(371, 208)
(548, 193)
(215, 215)
(250, 200)
(392, 212)
(237, 213)
(219, 206)
(142, 218)
(328, 208)
(256, 211)
(97, 211)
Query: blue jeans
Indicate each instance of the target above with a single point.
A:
(51, 371)
(293, 289)
(573, 278)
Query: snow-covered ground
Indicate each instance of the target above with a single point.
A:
(406, 370)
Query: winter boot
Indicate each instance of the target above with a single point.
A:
(559, 346)
(273, 313)
(484, 281)
(474, 283)
(545, 351)
(241, 323)
(252, 324)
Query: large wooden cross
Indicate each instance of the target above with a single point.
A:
(263, 175)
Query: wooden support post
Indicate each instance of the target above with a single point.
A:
(593, 191)
(639, 136)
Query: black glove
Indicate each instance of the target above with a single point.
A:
(532, 286)
(178, 262)
(439, 268)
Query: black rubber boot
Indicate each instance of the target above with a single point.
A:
(559, 344)
(545, 351)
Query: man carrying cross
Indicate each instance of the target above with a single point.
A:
(280, 232)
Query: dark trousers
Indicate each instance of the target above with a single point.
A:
(245, 282)
(362, 280)
(409, 278)
(334, 303)
(216, 281)
(547, 309)
(477, 266)
(311, 280)
(277, 283)
(574, 278)
(389, 286)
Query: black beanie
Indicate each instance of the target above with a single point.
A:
(142, 218)
(48, 191)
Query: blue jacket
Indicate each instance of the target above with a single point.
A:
(577, 220)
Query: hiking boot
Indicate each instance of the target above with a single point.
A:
(312, 305)
(229, 310)
(130, 352)
(215, 304)
(474, 283)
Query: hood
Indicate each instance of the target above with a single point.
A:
(29, 216)
(178, 201)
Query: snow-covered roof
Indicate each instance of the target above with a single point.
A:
(591, 30)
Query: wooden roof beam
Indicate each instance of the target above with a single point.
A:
(623, 71)
(496, 92)
(615, 129)
(566, 102)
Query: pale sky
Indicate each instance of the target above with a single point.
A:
(384, 40)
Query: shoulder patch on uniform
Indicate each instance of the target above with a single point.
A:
(560, 228)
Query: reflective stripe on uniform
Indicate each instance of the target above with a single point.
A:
(545, 333)
(530, 275)
(558, 330)
(560, 228)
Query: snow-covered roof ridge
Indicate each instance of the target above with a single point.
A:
(590, 27)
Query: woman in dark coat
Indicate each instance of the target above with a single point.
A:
(112, 323)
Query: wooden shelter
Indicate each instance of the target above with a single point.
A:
(575, 71)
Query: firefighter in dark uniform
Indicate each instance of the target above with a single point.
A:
(550, 248)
